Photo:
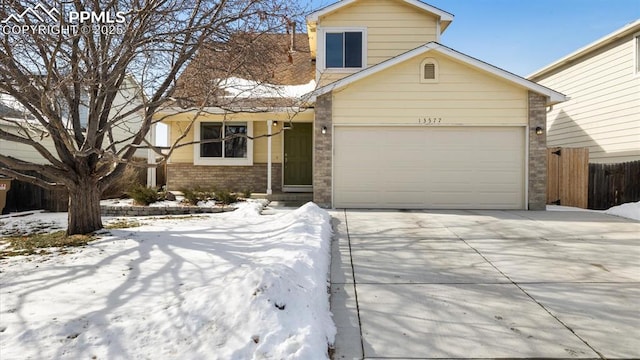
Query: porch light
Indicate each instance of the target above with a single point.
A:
(274, 123)
(324, 130)
(539, 130)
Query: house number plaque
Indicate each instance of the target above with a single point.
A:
(429, 120)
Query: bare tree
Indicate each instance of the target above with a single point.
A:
(69, 61)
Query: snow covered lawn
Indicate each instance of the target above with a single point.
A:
(226, 286)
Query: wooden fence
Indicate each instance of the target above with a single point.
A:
(613, 184)
(24, 196)
(568, 176)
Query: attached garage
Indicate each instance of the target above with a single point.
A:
(429, 167)
(376, 145)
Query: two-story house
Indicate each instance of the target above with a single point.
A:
(14, 118)
(391, 118)
(602, 81)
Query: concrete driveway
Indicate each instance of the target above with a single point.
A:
(485, 284)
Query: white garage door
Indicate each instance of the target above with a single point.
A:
(429, 168)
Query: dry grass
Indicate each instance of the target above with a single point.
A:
(122, 224)
(40, 243)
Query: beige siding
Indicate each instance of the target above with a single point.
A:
(603, 112)
(392, 27)
(182, 154)
(463, 96)
(22, 151)
(260, 144)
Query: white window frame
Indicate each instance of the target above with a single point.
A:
(322, 50)
(636, 54)
(436, 71)
(199, 160)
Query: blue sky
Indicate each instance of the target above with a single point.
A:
(522, 36)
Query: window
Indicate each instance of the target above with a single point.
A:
(223, 144)
(637, 53)
(429, 71)
(344, 49)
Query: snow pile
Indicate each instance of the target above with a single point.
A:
(628, 210)
(227, 286)
(242, 88)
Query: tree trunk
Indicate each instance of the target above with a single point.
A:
(84, 208)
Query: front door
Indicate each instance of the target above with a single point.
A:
(298, 146)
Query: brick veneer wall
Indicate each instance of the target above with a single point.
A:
(322, 151)
(537, 152)
(236, 178)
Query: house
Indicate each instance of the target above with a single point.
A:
(13, 114)
(394, 119)
(602, 81)
(14, 118)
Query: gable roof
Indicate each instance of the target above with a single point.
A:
(445, 17)
(553, 97)
(270, 59)
(606, 40)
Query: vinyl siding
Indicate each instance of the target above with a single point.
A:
(122, 131)
(603, 112)
(260, 145)
(392, 28)
(463, 96)
(22, 151)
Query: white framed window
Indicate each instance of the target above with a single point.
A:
(429, 71)
(344, 49)
(636, 40)
(223, 143)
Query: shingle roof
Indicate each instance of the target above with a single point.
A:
(263, 58)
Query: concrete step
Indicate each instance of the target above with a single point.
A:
(286, 197)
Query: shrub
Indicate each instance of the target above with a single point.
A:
(143, 195)
(195, 195)
(246, 193)
(226, 197)
(132, 176)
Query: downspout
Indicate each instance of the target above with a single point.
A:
(269, 133)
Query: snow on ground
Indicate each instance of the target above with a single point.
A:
(162, 203)
(628, 210)
(219, 286)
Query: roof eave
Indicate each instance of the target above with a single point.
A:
(553, 97)
(607, 39)
(443, 15)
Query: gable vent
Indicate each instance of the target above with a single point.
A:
(429, 72)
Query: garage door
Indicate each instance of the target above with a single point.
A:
(429, 168)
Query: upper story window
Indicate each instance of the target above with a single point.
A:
(219, 146)
(637, 44)
(344, 49)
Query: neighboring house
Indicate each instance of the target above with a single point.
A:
(127, 98)
(397, 120)
(24, 196)
(602, 82)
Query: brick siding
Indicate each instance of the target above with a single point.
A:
(537, 153)
(235, 178)
(322, 151)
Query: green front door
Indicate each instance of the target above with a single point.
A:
(298, 155)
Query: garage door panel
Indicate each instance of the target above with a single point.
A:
(439, 168)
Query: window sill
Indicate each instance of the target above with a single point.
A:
(341, 70)
(223, 162)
